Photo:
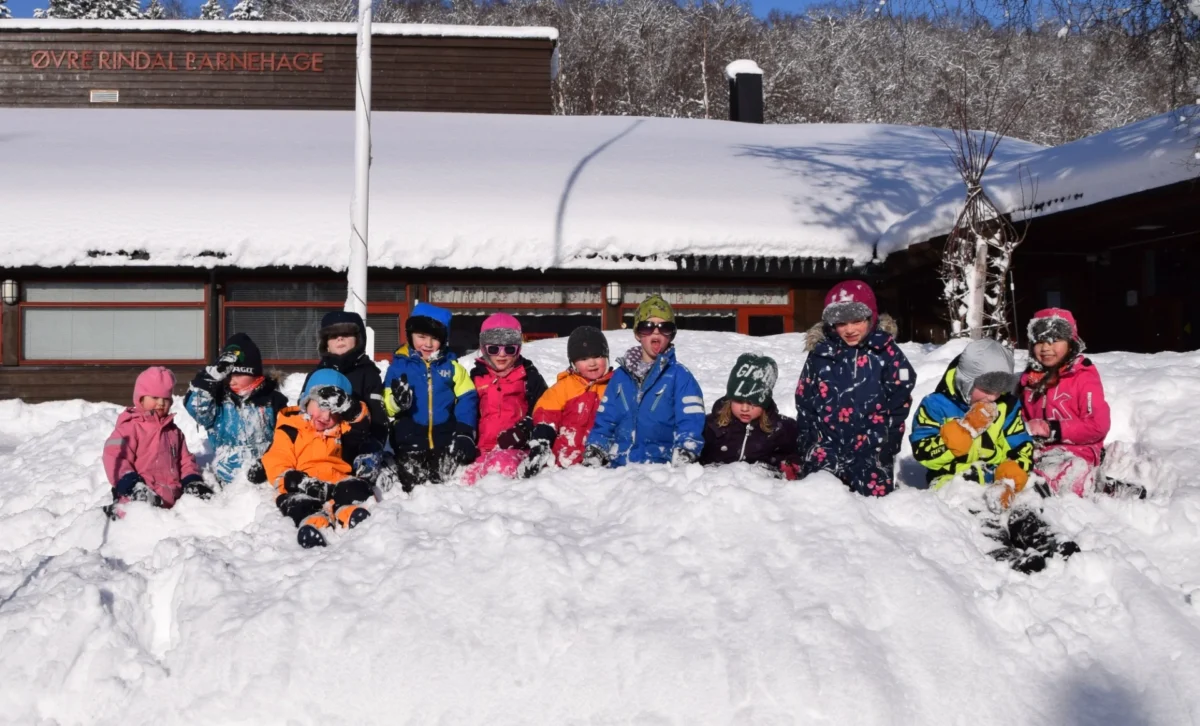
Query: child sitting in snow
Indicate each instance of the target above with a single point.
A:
(305, 462)
(745, 425)
(653, 410)
(564, 415)
(432, 400)
(508, 387)
(854, 393)
(971, 427)
(1064, 406)
(146, 457)
(237, 405)
(342, 345)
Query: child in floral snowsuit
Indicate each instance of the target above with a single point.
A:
(854, 393)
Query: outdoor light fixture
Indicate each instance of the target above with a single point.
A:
(612, 293)
(10, 292)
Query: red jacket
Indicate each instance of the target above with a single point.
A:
(570, 407)
(153, 447)
(504, 400)
(1075, 406)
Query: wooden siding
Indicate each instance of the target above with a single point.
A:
(490, 75)
(113, 384)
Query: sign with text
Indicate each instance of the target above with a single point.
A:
(140, 60)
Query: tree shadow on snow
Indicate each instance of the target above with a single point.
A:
(1097, 698)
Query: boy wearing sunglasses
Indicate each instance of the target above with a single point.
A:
(653, 410)
(432, 400)
(508, 386)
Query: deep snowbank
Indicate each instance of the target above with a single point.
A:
(650, 595)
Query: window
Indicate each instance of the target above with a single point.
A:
(544, 310)
(284, 316)
(750, 310)
(103, 321)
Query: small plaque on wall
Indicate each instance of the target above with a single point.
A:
(96, 96)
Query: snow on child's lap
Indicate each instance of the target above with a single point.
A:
(646, 594)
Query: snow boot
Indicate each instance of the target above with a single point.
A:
(1028, 542)
(1121, 489)
(351, 515)
(309, 535)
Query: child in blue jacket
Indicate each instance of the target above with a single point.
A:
(237, 405)
(653, 410)
(854, 394)
(432, 400)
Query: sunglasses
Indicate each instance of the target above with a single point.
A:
(497, 349)
(646, 328)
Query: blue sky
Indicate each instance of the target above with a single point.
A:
(24, 8)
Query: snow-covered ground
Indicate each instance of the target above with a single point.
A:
(648, 595)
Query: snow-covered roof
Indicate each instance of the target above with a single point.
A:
(262, 188)
(284, 28)
(1146, 155)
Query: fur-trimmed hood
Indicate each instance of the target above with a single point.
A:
(820, 331)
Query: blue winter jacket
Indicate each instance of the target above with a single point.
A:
(645, 424)
(851, 407)
(444, 401)
(239, 430)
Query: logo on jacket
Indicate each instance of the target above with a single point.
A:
(444, 373)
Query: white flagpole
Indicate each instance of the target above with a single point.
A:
(356, 298)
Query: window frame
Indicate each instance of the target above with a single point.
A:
(743, 311)
(203, 306)
(399, 309)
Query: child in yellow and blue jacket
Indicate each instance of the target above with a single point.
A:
(432, 401)
(971, 425)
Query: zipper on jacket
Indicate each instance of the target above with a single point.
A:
(429, 410)
(745, 439)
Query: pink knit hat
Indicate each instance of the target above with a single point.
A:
(500, 329)
(155, 381)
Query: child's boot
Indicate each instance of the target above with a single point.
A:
(309, 535)
(351, 515)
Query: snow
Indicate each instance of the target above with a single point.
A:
(742, 66)
(650, 595)
(451, 190)
(1146, 155)
(417, 30)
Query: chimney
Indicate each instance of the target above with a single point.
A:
(745, 91)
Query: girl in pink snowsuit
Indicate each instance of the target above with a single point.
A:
(508, 386)
(146, 458)
(1063, 404)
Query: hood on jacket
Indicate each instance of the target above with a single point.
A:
(985, 364)
(820, 331)
(1054, 324)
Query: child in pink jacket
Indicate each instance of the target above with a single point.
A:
(146, 458)
(1063, 404)
(508, 386)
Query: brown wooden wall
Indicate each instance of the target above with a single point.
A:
(59, 68)
(114, 384)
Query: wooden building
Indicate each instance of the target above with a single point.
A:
(1112, 232)
(228, 64)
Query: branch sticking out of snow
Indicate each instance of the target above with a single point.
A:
(748, 67)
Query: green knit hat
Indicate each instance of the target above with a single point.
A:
(752, 379)
(654, 307)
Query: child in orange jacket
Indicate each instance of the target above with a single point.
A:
(564, 415)
(317, 487)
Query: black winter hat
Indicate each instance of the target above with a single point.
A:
(249, 359)
(342, 322)
(426, 326)
(586, 342)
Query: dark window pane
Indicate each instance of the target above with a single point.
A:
(387, 331)
(280, 333)
(766, 325)
(464, 329)
(724, 321)
(285, 291)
